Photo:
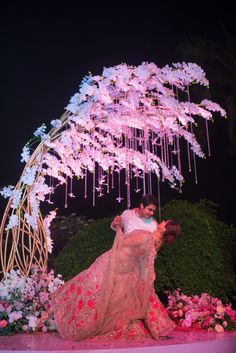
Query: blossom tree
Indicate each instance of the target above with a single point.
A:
(128, 120)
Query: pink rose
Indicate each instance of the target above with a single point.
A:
(3, 323)
(195, 298)
(220, 310)
(211, 321)
(187, 322)
(225, 324)
(219, 328)
(44, 316)
(175, 314)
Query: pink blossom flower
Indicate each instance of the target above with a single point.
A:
(3, 323)
(187, 321)
(175, 313)
(219, 328)
(220, 310)
(44, 316)
(43, 296)
(195, 298)
(225, 324)
(211, 321)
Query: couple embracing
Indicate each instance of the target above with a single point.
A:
(114, 298)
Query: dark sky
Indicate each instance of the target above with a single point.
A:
(47, 48)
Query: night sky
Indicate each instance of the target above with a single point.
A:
(47, 47)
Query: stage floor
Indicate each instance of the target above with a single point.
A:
(179, 342)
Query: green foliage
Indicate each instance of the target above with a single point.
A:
(84, 247)
(199, 261)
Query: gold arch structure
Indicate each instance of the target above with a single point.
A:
(22, 246)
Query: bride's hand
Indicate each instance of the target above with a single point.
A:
(157, 235)
(162, 227)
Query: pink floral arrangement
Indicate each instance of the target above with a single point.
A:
(200, 311)
(25, 304)
(129, 119)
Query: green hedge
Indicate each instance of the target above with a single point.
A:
(201, 260)
(83, 248)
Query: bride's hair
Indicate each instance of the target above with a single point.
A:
(172, 228)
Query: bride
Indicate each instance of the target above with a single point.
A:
(115, 297)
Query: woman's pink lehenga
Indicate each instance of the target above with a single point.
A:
(114, 298)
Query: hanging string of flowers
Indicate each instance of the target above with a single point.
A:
(128, 120)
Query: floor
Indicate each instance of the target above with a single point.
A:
(196, 341)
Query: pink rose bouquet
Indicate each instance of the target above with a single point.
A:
(200, 311)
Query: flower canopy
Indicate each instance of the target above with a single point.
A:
(130, 120)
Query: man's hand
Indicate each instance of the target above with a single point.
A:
(116, 222)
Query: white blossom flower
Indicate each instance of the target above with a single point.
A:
(14, 316)
(213, 106)
(25, 154)
(32, 321)
(4, 293)
(29, 176)
(45, 138)
(7, 191)
(73, 105)
(56, 123)
(40, 130)
(16, 196)
(32, 221)
(13, 222)
(55, 284)
(47, 221)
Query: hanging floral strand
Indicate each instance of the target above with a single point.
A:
(129, 119)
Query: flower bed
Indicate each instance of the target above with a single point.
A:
(200, 311)
(25, 304)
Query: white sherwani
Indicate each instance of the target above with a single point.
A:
(131, 221)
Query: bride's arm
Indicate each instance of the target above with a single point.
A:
(158, 235)
(137, 237)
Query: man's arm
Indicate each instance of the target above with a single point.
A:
(116, 221)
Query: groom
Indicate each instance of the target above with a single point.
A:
(138, 218)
